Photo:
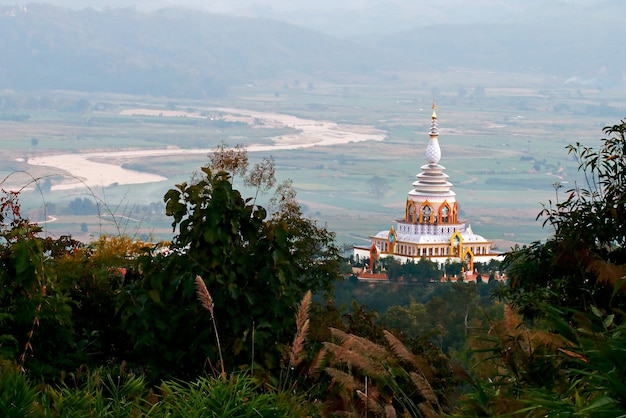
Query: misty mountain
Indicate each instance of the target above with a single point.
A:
(582, 49)
(181, 52)
(172, 52)
(357, 19)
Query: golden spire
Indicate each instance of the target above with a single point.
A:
(434, 108)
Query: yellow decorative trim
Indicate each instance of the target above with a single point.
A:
(468, 251)
(454, 251)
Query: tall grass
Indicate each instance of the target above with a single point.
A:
(118, 395)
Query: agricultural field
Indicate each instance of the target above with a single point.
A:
(503, 139)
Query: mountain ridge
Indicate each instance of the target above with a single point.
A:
(180, 52)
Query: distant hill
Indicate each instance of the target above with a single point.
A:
(172, 52)
(581, 50)
(181, 52)
(362, 18)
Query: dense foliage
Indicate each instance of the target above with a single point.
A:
(559, 351)
(583, 262)
(104, 329)
(256, 271)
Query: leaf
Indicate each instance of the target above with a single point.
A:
(596, 311)
(155, 296)
(599, 403)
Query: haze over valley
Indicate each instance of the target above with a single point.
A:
(514, 85)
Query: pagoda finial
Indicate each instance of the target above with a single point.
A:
(433, 153)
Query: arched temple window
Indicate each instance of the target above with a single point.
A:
(426, 212)
(445, 211)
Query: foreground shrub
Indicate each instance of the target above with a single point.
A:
(103, 394)
(237, 396)
(17, 395)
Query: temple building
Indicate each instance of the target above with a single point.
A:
(431, 227)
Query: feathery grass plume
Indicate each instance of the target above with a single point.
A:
(355, 360)
(607, 272)
(390, 411)
(512, 321)
(424, 388)
(427, 410)
(363, 345)
(371, 401)
(399, 349)
(346, 380)
(319, 361)
(418, 362)
(534, 337)
(302, 329)
(207, 303)
(204, 296)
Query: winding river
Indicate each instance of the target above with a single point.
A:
(102, 169)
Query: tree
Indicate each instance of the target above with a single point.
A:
(426, 270)
(231, 160)
(262, 177)
(561, 353)
(453, 268)
(584, 262)
(256, 271)
(394, 269)
(35, 314)
(82, 206)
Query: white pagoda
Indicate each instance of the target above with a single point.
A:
(431, 227)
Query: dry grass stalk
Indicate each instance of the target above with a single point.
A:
(203, 295)
(607, 272)
(427, 410)
(424, 388)
(418, 362)
(355, 360)
(371, 401)
(317, 364)
(512, 321)
(346, 380)
(302, 329)
(390, 411)
(332, 349)
(534, 338)
(363, 345)
(399, 349)
(207, 303)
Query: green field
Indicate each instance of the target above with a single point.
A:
(503, 150)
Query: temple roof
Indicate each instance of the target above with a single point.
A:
(468, 237)
(432, 180)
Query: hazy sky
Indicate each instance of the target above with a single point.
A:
(247, 7)
(361, 18)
